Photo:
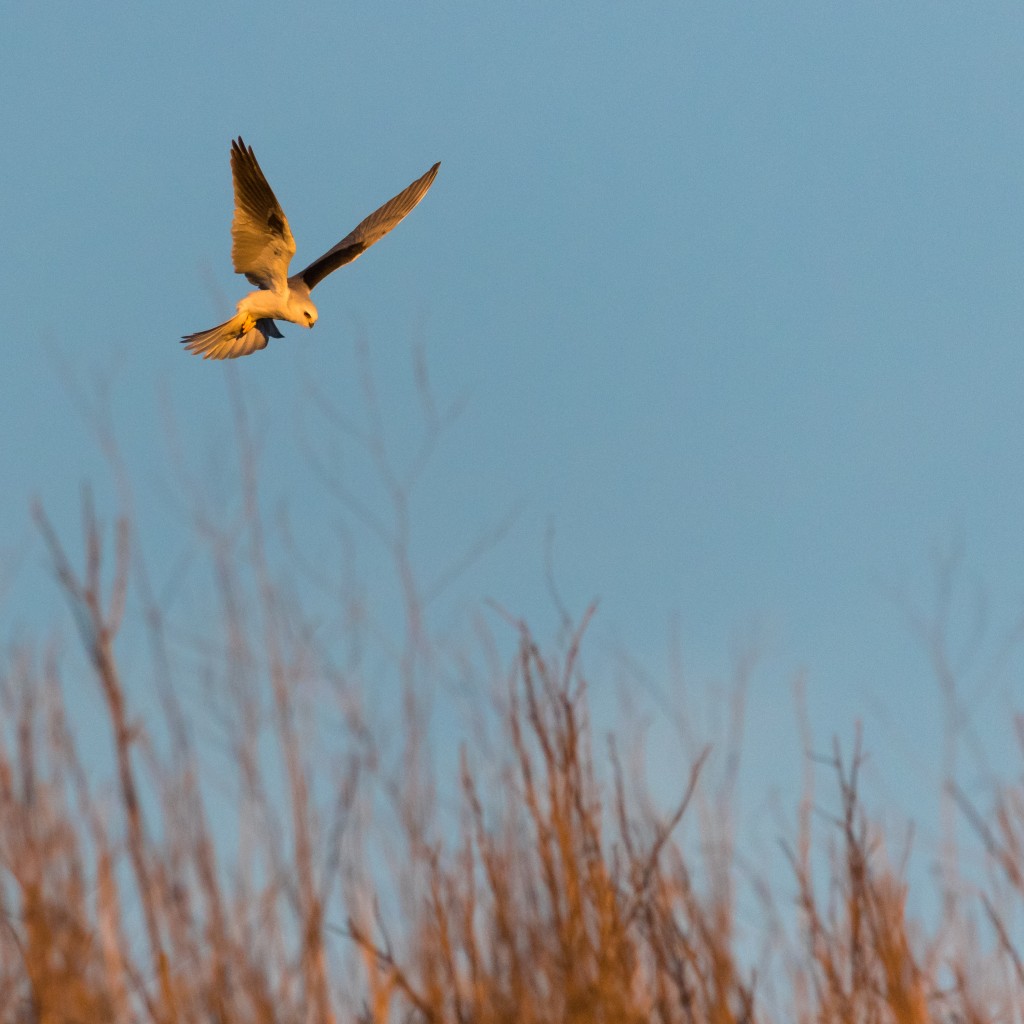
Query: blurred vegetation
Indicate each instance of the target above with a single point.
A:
(302, 873)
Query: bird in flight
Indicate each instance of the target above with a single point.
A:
(262, 247)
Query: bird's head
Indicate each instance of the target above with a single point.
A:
(300, 306)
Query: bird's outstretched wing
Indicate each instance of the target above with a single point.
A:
(262, 243)
(371, 230)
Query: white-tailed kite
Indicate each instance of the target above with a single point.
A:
(262, 247)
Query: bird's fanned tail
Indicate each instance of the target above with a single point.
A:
(235, 337)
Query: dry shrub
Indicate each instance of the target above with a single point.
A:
(557, 894)
(545, 910)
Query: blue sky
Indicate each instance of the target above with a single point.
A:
(732, 293)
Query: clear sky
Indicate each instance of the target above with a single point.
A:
(732, 292)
